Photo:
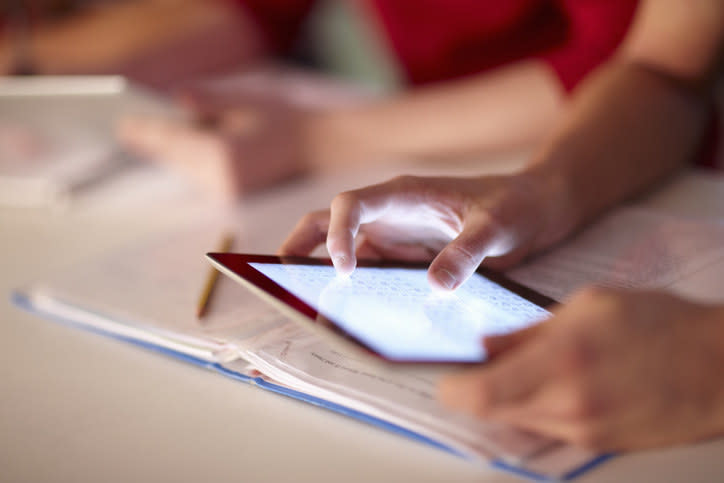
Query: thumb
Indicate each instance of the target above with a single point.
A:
(497, 344)
(204, 104)
(461, 257)
(240, 121)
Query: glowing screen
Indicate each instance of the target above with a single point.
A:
(396, 314)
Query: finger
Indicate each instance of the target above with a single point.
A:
(150, 136)
(211, 104)
(308, 234)
(532, 415)
(240, 121)
(202, 156)
(462, 256)
(351, 209)
(170, 141)
(408, 252)
(411, 252)
(504, 262)
(498, 344)
(204, 102)
(548, 412)
(129, 131)
(368, 251)
(508, 381)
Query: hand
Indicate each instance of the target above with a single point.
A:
(612, 370)
(413, 218)
(236, 144)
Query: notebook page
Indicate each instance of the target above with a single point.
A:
(155, 285)
(638, 248)
(402, 395)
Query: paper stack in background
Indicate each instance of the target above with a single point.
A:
(57, 134)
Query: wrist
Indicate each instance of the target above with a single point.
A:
(558, 204)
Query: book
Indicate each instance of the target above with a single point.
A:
(146, 295)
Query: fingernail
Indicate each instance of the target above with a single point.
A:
(340, 264)
(445, 279)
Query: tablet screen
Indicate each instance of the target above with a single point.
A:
(394, 312)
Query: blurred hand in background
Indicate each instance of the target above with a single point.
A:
(231, 144)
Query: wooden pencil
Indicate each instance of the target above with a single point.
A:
(226, 242)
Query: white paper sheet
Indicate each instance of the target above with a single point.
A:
(630, 248)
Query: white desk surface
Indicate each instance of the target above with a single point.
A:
(75, 406)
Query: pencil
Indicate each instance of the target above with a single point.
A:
(211, 278)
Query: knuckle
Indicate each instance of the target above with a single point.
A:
(583, 405)
(310, 218)
(316, 222)
(608, 303)
(594, 292)
(345, 199)
(405, 180)
(460, 251)
(482, 402)
(590, 436)
(578, 355)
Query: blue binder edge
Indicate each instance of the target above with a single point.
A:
(22, 301)
(574, 473)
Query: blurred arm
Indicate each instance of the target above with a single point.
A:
(639, 117)
(509, 107)
(108, 37)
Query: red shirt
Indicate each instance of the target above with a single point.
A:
(436, 40)
(443, 39)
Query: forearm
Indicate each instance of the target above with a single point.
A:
(638, 118)
(627, 128)
(506, 108)
(106, 37)
(712, 346)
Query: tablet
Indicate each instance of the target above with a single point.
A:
(387, 308)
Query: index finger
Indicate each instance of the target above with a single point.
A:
(352, 209)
